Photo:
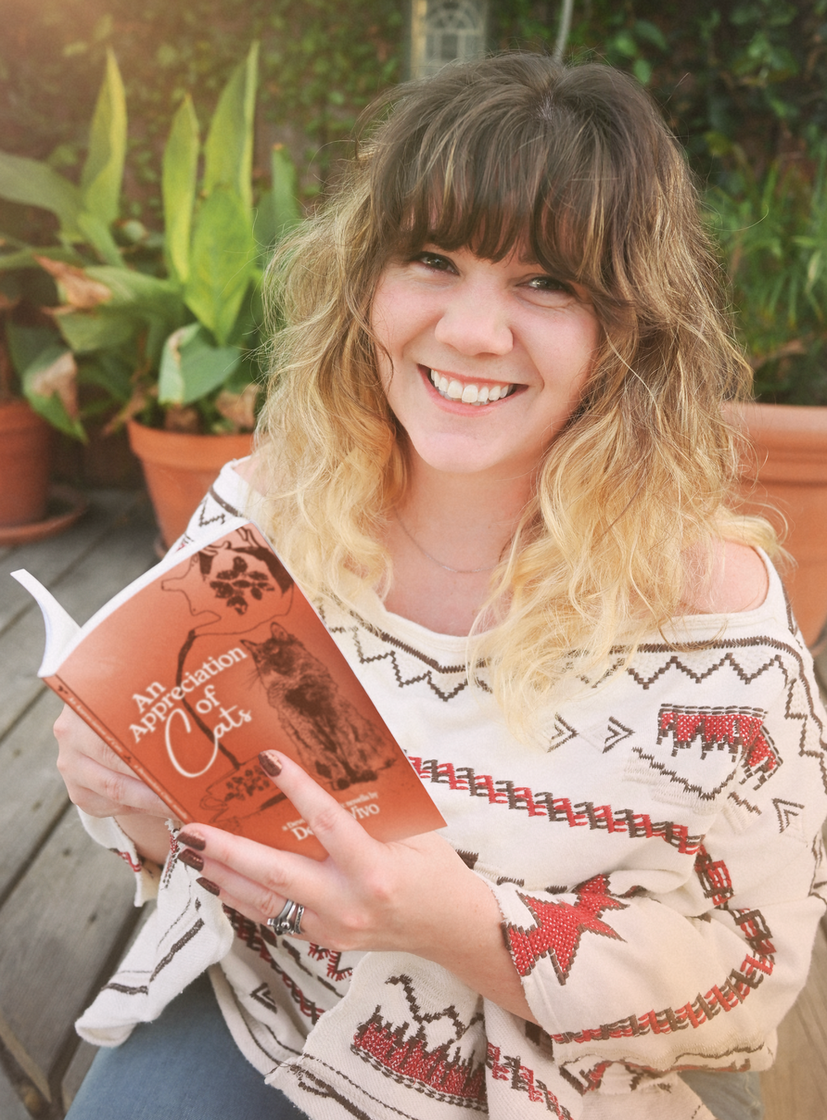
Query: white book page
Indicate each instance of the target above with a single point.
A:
(63, 634)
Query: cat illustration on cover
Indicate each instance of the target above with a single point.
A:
(334, 741)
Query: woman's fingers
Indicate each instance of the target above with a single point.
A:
(257, 877)
(364, 895)
(333, 826)
(97, 779)
(257, 880)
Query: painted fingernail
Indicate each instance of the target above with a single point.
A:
(192, 840)
(192, 859)
(208, 885)
(269, 764)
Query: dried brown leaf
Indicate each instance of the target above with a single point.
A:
(239, 408)
(59, 378)
(81, 291)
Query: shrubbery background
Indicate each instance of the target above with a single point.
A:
(734, 74)
(742, 82)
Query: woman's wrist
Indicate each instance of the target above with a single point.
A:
(466, 938)
(149, 835)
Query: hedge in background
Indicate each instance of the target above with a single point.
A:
(731, 74)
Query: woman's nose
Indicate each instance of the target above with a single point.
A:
(475, 321)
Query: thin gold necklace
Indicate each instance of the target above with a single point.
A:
(439, 564)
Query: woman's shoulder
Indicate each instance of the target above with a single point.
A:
(246, 469)
(736, 580)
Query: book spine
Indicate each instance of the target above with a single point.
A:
(88, 716)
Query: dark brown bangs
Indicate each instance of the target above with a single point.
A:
(497, 174)
(517, 153)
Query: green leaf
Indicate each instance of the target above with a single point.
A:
(137, 291)
(222, 263)
(192, 366)
(18, 258)
(278, 211)
(284, 192)
(103, 170)
(25, 343)
(624, 43)
(32, 183)
(97, 234)
(53, 411)
(228, 151)
(97, 330)
(52, 404)
(642, 70)
(645, 29)
(178, 184)
(110, 370)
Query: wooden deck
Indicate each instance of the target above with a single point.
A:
(65, 904)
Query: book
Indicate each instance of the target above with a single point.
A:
(208, 658)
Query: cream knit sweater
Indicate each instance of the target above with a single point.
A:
(657, 865)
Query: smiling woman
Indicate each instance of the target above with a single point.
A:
(494, 453)
(495, 329)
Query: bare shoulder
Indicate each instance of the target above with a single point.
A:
(249, 469)
(738, 581)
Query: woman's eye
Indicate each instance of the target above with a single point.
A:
(550, 284)
(435, 261)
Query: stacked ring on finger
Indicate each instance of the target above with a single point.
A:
(288, 919)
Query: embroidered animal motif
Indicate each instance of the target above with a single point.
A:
(335, 743)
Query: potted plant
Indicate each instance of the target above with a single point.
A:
(773, 232)
(37, 395)
(168, 326)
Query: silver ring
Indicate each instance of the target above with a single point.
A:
(288, 919)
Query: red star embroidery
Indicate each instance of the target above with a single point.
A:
(560, 927)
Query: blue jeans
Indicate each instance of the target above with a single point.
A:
(728, 1096)
(184, 1066)
(187, 1066)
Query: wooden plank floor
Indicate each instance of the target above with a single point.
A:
(65, 905)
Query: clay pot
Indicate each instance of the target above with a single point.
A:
(179, 470)
(791, 458)
(25, 464)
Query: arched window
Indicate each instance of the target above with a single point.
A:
(443, 30)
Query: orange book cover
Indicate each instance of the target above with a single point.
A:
(213, 656)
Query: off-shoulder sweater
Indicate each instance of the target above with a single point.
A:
(657, 862)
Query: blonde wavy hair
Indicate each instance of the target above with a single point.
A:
(576, 165)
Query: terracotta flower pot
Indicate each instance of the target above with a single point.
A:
(180, 468)
(791, 457)
(25, 464)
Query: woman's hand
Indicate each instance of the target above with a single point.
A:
(97, 780)
(102, 785)
(414, 895)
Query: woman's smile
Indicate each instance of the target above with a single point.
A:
(482, 361)
(451, 389)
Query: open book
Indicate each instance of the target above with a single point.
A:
(212, 656)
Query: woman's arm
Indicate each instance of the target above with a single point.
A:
(414, 896)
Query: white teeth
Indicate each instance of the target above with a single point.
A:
(454, 390)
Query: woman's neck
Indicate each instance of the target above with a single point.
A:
(445, 537)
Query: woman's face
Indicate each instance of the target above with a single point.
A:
(484, 361)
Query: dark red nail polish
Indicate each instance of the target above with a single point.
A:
(192, 859)
(192, 840)
(269, 765)
(208, 885)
